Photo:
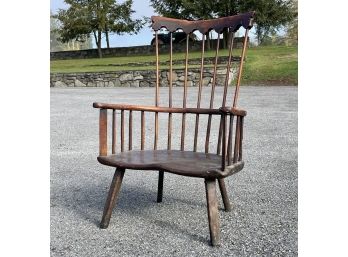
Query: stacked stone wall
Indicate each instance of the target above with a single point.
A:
(146, 78)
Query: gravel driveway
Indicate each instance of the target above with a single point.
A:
(263, 221)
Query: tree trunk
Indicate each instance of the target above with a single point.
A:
(95, 38)
(107, 39)
(99, 44)
(230, 37)
(258, 36)
(107, 36)
(225, 39)
(208, 41)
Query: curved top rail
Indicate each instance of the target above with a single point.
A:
(203, 26)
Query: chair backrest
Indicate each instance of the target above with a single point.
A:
(230, 24)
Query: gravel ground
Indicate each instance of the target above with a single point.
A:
(263, 221)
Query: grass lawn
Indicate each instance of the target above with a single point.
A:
(267, 64)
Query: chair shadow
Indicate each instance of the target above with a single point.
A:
(177, 230)
(88, 203)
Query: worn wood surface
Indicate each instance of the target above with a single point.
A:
(128, 107)
(224, 195)
(203, 26)
(213, 212)
(103, 139)
(186, 163)
(113, 146)
(112, 197)
(160, 186)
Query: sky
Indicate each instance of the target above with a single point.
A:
(144, 37)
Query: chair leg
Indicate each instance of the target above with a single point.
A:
(224, 194)
(112, 197)
(160, 186)
(213, 213)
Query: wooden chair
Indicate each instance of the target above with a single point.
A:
(211, 165)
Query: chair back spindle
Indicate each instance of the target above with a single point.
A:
(170, 76)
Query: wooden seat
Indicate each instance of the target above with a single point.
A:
(213, 165)
(186, 163)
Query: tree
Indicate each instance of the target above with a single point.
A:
(57, 45)
(270, 14)
(292, 28)
(86, 17)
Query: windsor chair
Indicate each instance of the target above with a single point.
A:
(211, 166)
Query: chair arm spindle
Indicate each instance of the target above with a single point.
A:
(103, 121)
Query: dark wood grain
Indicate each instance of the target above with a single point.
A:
(157, 70)
(212, 94)
(228, 70)
(203, 26)
(112, 197)
(183, 120)
(224, 195)
(169, 140)
(213, 212)
(142, 144)
(229, 144)
(113, 132)
(156, 132)
(128, 107)
(236, 141)
(186, 163)
(103, 135)
(183, 130)
(241, 139)
(199, 94)
(239, 78)
(207, 136)
(223, 155)
(130, 131)
(160, 186)
(122, 130)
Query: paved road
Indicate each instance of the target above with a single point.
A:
(263, 221)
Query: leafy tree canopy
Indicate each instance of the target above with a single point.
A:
(270, 14)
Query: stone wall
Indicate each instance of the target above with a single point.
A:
(137, 78)
(119, 51)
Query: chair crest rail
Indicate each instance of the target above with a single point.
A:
(203, 26)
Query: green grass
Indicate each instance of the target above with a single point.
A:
(271, 64)
(268, 64)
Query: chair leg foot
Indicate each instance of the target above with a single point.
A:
(160, 186)
(224, 195)
(213, 213)
(112, 197)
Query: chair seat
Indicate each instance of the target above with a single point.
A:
(185, 163)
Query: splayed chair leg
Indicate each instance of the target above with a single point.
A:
(213, 212)
(160, 186)
(112, 197)
(224, 195)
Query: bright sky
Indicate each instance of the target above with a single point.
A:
(141, 8)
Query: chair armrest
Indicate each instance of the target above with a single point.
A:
(233, 111)
(155, 109)
(232, 169)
